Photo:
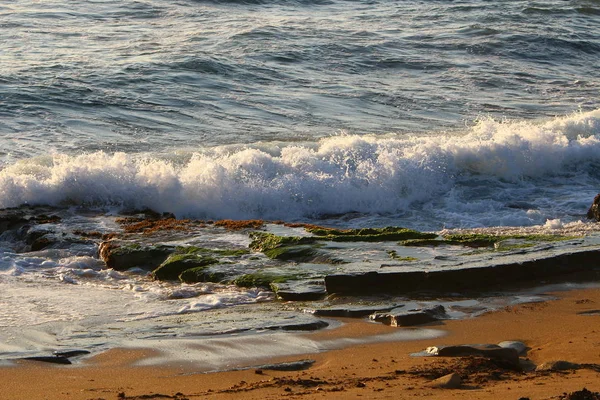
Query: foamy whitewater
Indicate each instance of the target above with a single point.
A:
(429, 115)
(511, 173)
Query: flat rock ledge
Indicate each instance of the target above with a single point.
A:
(464, 279)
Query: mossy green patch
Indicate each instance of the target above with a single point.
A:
(201, 274)
(389, 233)
(122, 256)
(394, 255)
(485, 240)
(292, 253)
(263, 241)
(177, 263)
(262, 279)
(425, 242)
(133, 248)
(216, 252)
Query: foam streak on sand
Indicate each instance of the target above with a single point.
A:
(441, 174)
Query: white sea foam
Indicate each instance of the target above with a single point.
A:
(368, 174)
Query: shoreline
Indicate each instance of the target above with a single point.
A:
(553, 330)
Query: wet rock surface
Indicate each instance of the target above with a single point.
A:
(594, 210)
(465, 279)
(352, 312)
(506, 356)
(172, 268)
(411, 317)
(58, 357)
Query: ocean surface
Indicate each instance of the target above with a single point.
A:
(425, 114)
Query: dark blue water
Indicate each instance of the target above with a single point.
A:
(152, 75)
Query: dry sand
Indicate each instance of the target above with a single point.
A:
(553, 330)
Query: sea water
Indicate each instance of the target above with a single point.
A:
(430, 115)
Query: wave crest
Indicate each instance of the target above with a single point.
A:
(345, 173)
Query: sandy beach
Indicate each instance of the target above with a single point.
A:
(564, 329)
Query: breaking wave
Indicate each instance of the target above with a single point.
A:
(336, 175)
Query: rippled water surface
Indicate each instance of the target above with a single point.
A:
(156, 76)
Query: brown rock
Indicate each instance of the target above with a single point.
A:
(594, 211)
(557, 366)
(450, 381)
(507, 355)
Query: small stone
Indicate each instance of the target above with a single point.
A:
(520, 347)
(450, 381)
(508, 355)
(361, 385)
(557, 366)
(258, 372)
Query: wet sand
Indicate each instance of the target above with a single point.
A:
(553, 330)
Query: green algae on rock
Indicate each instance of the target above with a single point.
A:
(194, 250)
(263, 241)
(488, 240)
(178, 263)
(303, 248)
(394, 255)
(292, 253)
(201, 274)
(124, 255)
(389, 233)
(262, 279)
(286, 248)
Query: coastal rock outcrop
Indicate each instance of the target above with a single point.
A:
(594, 210)
(464, 279)
(124, 255)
